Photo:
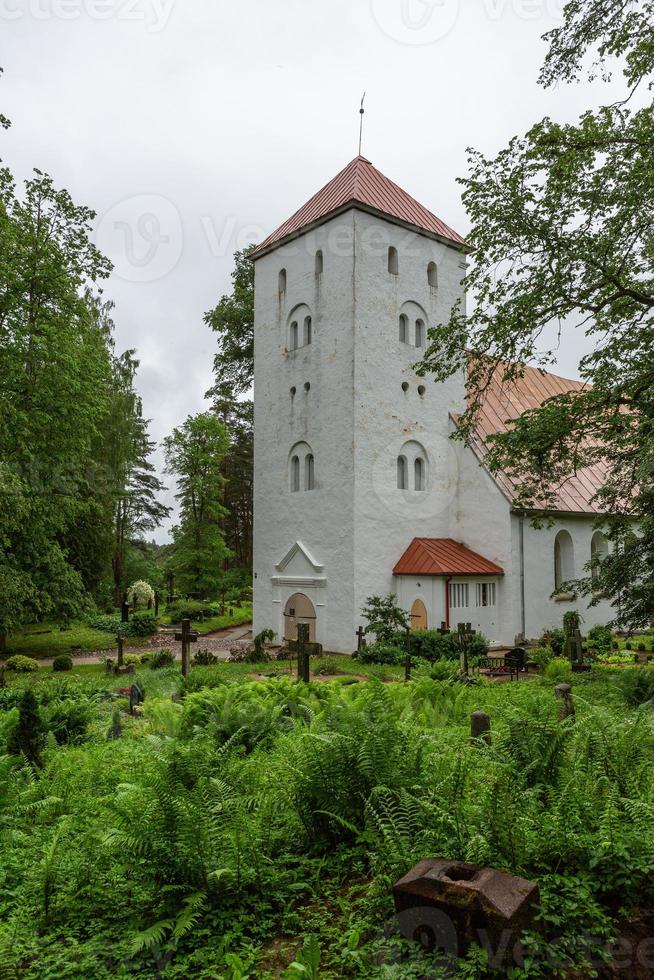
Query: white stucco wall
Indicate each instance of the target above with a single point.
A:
(542, 612)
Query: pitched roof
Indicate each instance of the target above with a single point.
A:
(360, 184)
(503, 402)
(443, 556)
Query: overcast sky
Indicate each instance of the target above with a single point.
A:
(195, 126)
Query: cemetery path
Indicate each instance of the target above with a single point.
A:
(219, 643)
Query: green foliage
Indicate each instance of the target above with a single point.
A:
(204, 658)
(636, 686)
(192, 609)
(555, 639)
(559, 671)
(64, 662)
(21, 664)
(139, 624)
(194, 455)
(600, 638)
(27, 737)
(384, 617)
(578, 190)
(160, 659)
(382, 653)
(233, 320)
(541, 656)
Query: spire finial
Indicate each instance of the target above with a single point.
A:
(361, 111)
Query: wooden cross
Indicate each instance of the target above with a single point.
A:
(303, 673)
(579, 650)
(407, 659)
(465, 633)
(186, 637)
(444, 630)
(119, 643)
(124, 611)
(361, 639)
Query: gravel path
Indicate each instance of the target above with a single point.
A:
(219, 643)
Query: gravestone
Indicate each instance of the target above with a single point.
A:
(448, 905)
(480, 727)
(136, 697)
(361, 639)
(566, 705)
(124, 611)
(186, 636)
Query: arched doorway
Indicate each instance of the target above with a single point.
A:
(418, 615)
(299, 609)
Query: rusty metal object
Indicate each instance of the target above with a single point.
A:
(447, 905)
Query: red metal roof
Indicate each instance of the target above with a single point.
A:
(361, 183)
(503, 402)
(443, 556)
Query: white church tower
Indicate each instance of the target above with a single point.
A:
(352, 458)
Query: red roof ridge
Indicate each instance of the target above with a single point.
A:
(360, 184)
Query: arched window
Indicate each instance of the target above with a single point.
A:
(564, 559)
(420, 333)
(295, 474)
(309, 480)
(301, 467)
(300, 327)
(319, 262)
(307, 330)
(293, 341)
(412, 467)
(404, 328)
(599, 549)
(432, 275)
(393, 262)
(282, 280)
(414, 323)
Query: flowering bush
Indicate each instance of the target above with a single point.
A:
(140, 593)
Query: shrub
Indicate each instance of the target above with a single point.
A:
(541, 656)
(384, 617)
(382, 653)
(204, 658)
(27, 737)
(553, 638)
(162, 658)
(559, 671)
(191, 609)
(636, 685)
(68, 719)
(600, 638)
(63, 662)
(140, 593)
(443, 670)
(141, 624)
(434, 646)
(132, 659)
(21, 664)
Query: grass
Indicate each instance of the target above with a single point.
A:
(41, 640)
(240, 616)
(44, 640)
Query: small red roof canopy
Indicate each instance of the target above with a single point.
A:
(443, 556)
(361, 184)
